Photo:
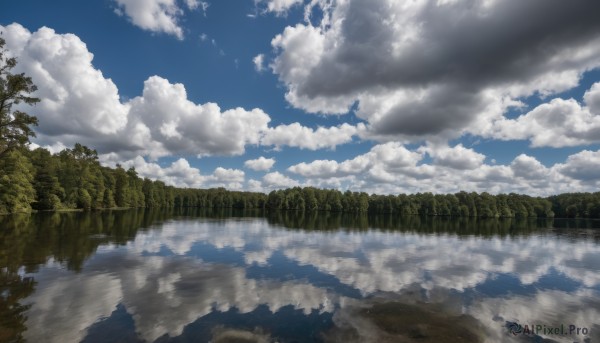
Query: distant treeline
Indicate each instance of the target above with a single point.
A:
(74, 179)
(461, 204)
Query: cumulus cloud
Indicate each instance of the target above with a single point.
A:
(278, 180)
(180, 173)
(582, 166)
(228, 175)
(457, 157)
(300, 136)
(434, 68)
(80, 105)
(391, 168)
(557, 123)
(592, 98)
(393, 155)
(157, 15)
(77, 99)
(260, 164)
(180, 125)
(529, 168)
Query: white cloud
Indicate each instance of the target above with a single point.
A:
(296, 135)
(254, 186)
(584, 166)
(196, 129)
(278, 180)
(77, 99)
(421, 69)
(232, 179)
(318, 168)
(279, 7)
(592, 98)
(180, 173)
(457, 157)
(391, 156)
(258, 61)
(260, 164)
(529, 168)
(557, 123)
(156, 15)
(228, 175)
(391, 168)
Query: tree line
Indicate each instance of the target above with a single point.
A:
(75, 179)
(461, 204)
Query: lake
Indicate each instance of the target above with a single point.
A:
(223, 276)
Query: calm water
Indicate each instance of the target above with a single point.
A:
(159, 276)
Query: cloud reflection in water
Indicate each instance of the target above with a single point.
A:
(166, 280)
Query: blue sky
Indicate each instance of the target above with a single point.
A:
(382, 96)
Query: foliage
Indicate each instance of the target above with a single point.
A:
(74, 179)
(15, 89)
(461, 204)
(572, 205)
(16, 183)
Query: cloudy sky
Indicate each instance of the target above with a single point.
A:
(375, 95)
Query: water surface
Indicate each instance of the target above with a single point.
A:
(198, 276)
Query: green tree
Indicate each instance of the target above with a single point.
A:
(310, 200)
(46, 183)
(16, 183)
(15, 89)
(122, 189)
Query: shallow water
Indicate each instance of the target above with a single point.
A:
(198, 276)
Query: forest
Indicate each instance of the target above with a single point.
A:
(75, 179)
(36, 180)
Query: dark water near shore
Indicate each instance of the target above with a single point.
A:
(200, 276)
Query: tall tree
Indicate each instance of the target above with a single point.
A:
(15, 89)
(46, 184)
(16, 183)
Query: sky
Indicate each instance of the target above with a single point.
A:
(380, 96)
